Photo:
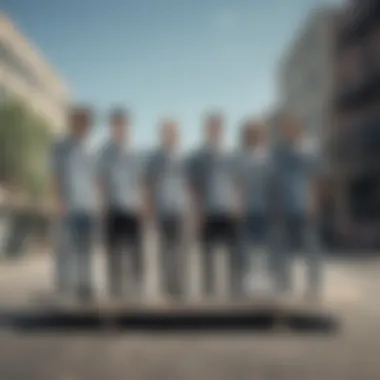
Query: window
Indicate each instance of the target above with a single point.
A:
(374, 46)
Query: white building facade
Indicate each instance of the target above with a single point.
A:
(26, 76)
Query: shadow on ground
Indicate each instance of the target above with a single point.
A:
(255, 322)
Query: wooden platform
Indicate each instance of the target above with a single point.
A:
(190, 314)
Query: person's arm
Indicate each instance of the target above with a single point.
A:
(148, 190)
(194, 191)
(240, 185)
(315, 187)
(57, 157)
(101, 178)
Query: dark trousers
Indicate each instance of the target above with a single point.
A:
(123, 236)
(74, 253)
(221, 229)
(170, 232)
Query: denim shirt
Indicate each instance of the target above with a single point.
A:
(166, 175)
(121, 171)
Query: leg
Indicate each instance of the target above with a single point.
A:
(63, 255)
(314, 263)
(236, 259)
(135, 250)
(83, 234)
(207, 247)
(279, 257)
(114, 255)
(170, 233)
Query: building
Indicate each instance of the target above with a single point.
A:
(306, 73)
(355, 148)
(25, 75)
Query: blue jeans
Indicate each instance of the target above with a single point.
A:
(291, 233)
(74, 252)
(254, 233)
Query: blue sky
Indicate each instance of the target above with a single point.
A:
(161, 58)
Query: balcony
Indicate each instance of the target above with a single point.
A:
(357, 20)
(363, 91)
(357, 147)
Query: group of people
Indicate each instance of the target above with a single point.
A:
(255, 196)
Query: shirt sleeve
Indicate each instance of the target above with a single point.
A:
(57, 158)
(151, 169)
(103, 162)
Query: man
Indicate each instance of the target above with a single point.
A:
(254, 180)
(214, 185)
(166, 179)
(74, 190)
(295, 207)
(121, 183)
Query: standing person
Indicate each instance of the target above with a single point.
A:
(74, 191)
(121, 183)
(254, 180)
(167, 183)
(215, 192)
(296, 171)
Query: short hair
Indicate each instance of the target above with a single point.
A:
(214, 117)
(79, 111)
(119, 113)
(249, 126)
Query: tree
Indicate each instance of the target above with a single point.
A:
(25, 141)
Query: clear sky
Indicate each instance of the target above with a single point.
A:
(160, 58)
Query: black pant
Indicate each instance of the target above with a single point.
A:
(170, 232)
(123, 232)
(221, 229)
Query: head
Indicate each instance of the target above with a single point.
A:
(253, 134)
(81, 120)
(214, 129)
(291, 128)
(169, 134)
(119, 124)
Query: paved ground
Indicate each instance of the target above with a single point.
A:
(57, 355)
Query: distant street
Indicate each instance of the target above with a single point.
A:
(351, 287)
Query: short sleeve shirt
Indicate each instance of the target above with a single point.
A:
(166, 176)
(121, 172)
(213, 175)
(295, 168)
(254, 173)
(74, 165)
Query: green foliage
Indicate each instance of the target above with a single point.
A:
(25, 141)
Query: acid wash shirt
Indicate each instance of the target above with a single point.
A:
(294, 169)
(121, 171)
(74, 165)
(254, 170)
(167, 177)
(214, 177)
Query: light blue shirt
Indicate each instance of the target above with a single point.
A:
(213, 174)
(121, 171)
(74, 164)
(166, 175)
(254, 169)
(294, 168)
